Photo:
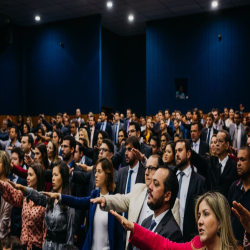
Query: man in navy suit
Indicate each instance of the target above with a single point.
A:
(168, 120)
(128, 119)
(158, 121)
(116, 128)
(207, 133)
(104, 125)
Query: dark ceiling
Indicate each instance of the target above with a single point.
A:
(23, 12)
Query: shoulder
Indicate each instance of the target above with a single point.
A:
(198, 177)
(94, 193)
(139, 187)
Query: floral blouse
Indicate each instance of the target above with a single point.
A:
(33, 227)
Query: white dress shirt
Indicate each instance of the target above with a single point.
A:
(92, 136)
(197, 147)
(183, 192)
(145, 211)
(223, 163)
(133, 176)
(104, 126)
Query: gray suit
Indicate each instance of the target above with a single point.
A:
(120, 125)
(243, 135)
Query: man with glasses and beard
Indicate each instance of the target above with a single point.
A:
(191, 185)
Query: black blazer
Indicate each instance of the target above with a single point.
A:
(167, 228)
(119, 157)
(204, 133)
(91, 153)
(203, 149)
(107, 129)
(96, 132)
(123, 175)
(209, 168)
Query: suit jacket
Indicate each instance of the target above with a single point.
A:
(84, 203)
(204, 133)
(123, 175)
(119, 157)
(96, 132)
(91, 153)
(243, 136)
(132, 203)
(113, 131)
(203, 148)
(157, 126)
(125, 123)
(209, 168)
(167, 227)
(107, 129)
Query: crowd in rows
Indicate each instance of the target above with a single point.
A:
(76, 184)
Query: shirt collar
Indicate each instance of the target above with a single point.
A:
(224, 161)
(186, 171)
(159, 217)
(135, 169)
(197, 143)
(70, 164)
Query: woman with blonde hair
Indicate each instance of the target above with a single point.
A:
(212, 213)
(84, 135)
(29, 122)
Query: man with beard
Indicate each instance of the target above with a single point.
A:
(191, 185)
(162, 193)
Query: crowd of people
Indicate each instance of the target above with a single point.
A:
(173, 181)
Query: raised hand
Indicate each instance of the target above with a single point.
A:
(52, 195)
(99, 200)
(84, 167)
(128, 226)
(242, 214)
(17, 186)
(138, 155)
(28, 160)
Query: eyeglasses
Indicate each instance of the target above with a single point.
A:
(103, 149)
(150, 168)
(131, 131)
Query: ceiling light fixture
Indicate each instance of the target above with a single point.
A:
(131, 18)
(109, 4)
(37, 18)
(214, 4)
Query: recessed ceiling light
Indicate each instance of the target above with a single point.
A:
(131, 18)
(37, 18)
(214, 4)
(109, 4)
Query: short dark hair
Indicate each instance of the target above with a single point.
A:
(196, 123)
(137, 126)
(59, 114)
(72, 141)
(109, 144)
(30, 140)
(160, 111)
(189, 111)
(216, 110)
(156, 139)
(227, 137)
(246, 148)
(167, 110)
(117, 112)
(104, 134)
(171, 184)
(19, 152)
(237, 113)
(92, 117)
(134, 141)
(76, 123)
(16, 129)
(104, 111)
(178, 111)
(159, 160)
(129, 110)
(187, 144)
(210, 114)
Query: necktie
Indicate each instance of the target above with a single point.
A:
(194, 145)
(208, 137)
(102, 126)
(180, 182)
(127, 126)
(128, 188)
(116, 127)
(236, 137)
(152, 225)
(220, 168)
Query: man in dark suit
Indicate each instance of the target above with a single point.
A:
(207, 133)
(220, 172)
(161, 201)
(104, 125)
(199, 146)
(160, 117)
(191, 185)
(116, 127)
(144, 150)
(169, 123)
(92, 132)
(27, 143)
(128, 119)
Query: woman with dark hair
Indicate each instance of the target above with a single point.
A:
(169, 154)
(59, 219)
(121, 136)
(39, 139)
(20, 121)
(177, 129)
(164, 138)
(103, 230)
(163, 127)
(230, 118)
(33, 228)
(26, 129)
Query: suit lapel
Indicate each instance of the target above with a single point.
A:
(140, 175)
(148, 221)
(227, 168)
(163, 222)
(124, 179)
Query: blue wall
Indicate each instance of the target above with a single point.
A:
(218, 72)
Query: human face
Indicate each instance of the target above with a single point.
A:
(176, 125)
(128, 114)
(25, 129)
(201, 114)
(38, 156)
(103, 117)
(31, 179)
(13, 134)
(221, 146)
(248, 141)
(181, 156)
(99, 139)
(73, 129)
(55, 138)
(50, 149)
(100, 176)
(104, 151)
(15, 160)
(162, 125)
(243, 164)
(167, 115)
(216, 116)
(78, 113)
(122, 116)
(65, 115)
(81, 135)
(151, 167)
(163, 142)
(195, 116)
(149, 123)
(77, 155)
(132, 131)
(143, 121)
(169, 155)
(91, 121)
(156, 195)
(58, 119)
(134, 118)
(129, 155)
(39, 132)
(231, 114)
(66, 150)
(154, 147)
(208, 225)
(117, 117)
(244, 121)
(195, 133)
(56, 180)
(173, 115)
(209, 122)
(213, 145)
(4, 125)
(188, 115)
(160, 116)
(120, 137)
(178, 115)
(66, 122)
(25, 145)
(226, 111)
(237, 119)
